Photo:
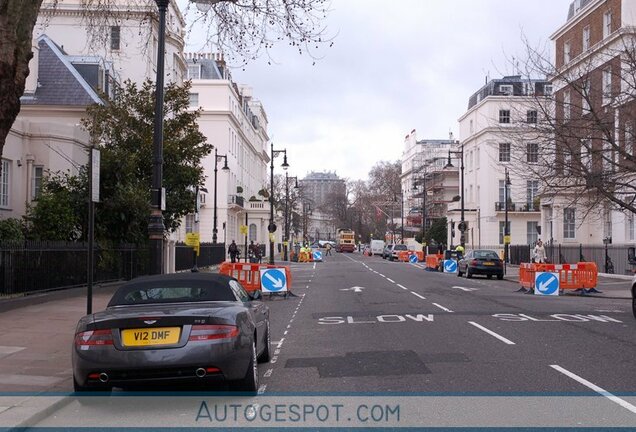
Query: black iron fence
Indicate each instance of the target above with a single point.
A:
(609, 259)
(210, 254)
(40, 266)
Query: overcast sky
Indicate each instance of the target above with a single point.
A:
(394, 66)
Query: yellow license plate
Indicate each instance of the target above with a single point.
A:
(489, 263)
(150, 336)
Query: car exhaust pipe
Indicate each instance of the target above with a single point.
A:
(103, 377)
(200, 372)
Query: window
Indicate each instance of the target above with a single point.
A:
(36, 182)
(252, 232)
(567, 162)
(189, 223)
(477, 158)
(504, 116)
(194, 100)
(532, 152)
(194, 71)
(4, 184)
(566, 105)
(586, 96)
(630, 226)
(569, 223)
(532, 235)
(629, 139)
(586, 38)
(586, 155)
(504, 152)
(607, 23)
(115, 37)
(531, 116)
(607, 86)
(502, 192)
(532, 192)
(547, 89)
(566, 52)
(501, 230)
(506, 89)
(472, 130)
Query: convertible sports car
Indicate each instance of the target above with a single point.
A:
(177, 328)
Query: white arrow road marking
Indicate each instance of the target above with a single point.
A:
(278, 283)
(466, 289)
(544, 285)
(596, 388)
(354, 289)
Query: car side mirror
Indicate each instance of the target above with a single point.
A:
(257, 295)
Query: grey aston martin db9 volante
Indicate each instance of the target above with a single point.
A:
(169, 329)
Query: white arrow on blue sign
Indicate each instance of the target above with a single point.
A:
(413, 258)
(273, 280)
(317, 256)
(450, 266)
(546, 283)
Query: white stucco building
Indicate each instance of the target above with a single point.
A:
(236, 124)
(496, 118)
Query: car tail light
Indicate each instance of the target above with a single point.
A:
(94, 337)
(474, 262)
(209, 332)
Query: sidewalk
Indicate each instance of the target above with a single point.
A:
(609, 284)
(35, 350)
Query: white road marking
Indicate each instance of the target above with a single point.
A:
(276, 342)
(274, 359)
(492, 333)
(417, 295)
(280, 343)
(379, 274)
(390, 280)
(314, 266)
(596, 388)
(442, 307)
(402, 286)
(262, 388)
(268, 373)
(285, 332)
(466, 289)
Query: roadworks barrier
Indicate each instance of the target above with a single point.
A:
(435, 262)
(579, 276)
(404, 256)
(249, 275)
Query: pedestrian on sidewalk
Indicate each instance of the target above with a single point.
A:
(233, 251)
(538, 253)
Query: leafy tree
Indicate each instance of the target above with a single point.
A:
(60, 210)
(11, 229)
(124, 128)
(243, 29)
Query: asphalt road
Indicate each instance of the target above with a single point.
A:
(363, 325)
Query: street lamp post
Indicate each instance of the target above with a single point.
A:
(272, 227)
(423, 182)
(155, 222)
(506, 229)
(462, 221)
(217, 158)
(287, 215)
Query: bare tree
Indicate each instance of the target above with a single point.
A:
(579, 141)
(241, 29)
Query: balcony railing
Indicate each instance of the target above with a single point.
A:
(235, 200)
(517, 207)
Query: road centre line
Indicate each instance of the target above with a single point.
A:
(390, 280)
(492, 333)
(596, 388)
(402, 286)
(417, 295)
(442, 308)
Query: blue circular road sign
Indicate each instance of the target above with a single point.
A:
(547, 283)
(317, 256)
(450, 266)
(273, 280)
(413, 258)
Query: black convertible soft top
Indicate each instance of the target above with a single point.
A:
(171, 288)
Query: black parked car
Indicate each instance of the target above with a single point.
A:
(482, 262)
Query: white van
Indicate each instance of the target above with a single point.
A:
(377, 246)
